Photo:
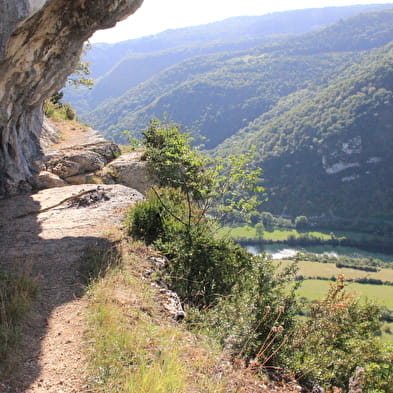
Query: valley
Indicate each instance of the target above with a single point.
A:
(368, 275)
(252, 253)
(315, 102)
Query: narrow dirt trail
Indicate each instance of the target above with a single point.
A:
(50, 246)
(74, 134)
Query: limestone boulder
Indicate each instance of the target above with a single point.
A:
(75, 162)
(108, 150)
(64, 168)
(128, 170)
(88, 161)
(85, 178)
(49, 180)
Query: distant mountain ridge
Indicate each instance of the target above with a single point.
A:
(108, 61)
(104, 56)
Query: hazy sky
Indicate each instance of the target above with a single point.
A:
(155, 16)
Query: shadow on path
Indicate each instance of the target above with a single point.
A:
(48, 247)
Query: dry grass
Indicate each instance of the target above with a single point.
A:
(135, 347)
(16, 294)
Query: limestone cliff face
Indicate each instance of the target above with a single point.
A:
(40, 44)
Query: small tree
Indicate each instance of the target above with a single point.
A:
(259, 229)
(54, 107)
(267, 218)
(228, 186)
(301, 222)
(80, 77)
(177, 215)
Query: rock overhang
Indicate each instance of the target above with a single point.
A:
(40, 45)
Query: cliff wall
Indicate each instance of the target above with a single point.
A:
(40, 45)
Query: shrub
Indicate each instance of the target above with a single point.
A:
(163, 215)
(259, 229)
(379, 372)
(267, 218)
(257, 320)
(144, 221)
(203, 268)
(339, 336)
(172, 160)
(54, 109)
(301, 222)
(69, 113)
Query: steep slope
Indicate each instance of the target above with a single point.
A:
(215, 105)
(329, 153)
(215, 96)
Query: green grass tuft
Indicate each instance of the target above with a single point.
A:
(16, 293)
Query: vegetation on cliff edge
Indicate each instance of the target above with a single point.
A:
(241, 299)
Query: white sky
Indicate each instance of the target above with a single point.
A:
(155, 16)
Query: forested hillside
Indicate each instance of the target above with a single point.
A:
(329, 153)
(318, 105)
(216, 95)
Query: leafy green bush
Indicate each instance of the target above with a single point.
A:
(163, 215)
(229, 186)
(379, 372)
(144, 221)
(240, 297)
(301, 222)
(173, 162)
(256, 321)
(202, 266)
(55, 109)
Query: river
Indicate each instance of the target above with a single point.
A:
(282, 251)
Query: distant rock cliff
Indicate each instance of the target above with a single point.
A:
(40, 44)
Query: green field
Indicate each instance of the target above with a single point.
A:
(327, 270)
(282, 234)
(277, 234)
(317, 289)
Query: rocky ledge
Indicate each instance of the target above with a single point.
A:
(96, 162)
